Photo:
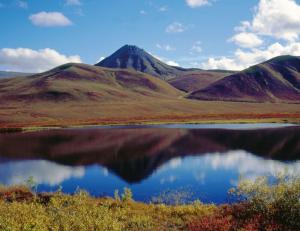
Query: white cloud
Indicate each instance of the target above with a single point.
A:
(172, 63)
(197, 47)
(243, 59)
(28, 60)
(246, 40)
(175, 27)
(278, 18)
(197, 3)
(22, 4)
(243, 27)
(222, 63)
(167, 61)
(73, 2)
(43, 172)
(49, 19)
(165, 47)
(100, 59)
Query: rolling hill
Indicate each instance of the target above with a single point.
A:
(81, 94)
(276, 80)
(82, 82)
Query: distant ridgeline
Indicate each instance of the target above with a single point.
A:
(276, 80)
(10, 74)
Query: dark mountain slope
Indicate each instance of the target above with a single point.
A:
(275, 80)
(191, 81)
(132, 57)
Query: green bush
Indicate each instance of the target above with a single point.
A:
(276, 199)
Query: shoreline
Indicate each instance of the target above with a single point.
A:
(8, 129)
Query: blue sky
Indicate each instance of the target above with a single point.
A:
(226, 34)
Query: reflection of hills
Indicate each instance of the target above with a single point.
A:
(134, 154)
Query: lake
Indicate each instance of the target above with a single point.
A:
(204, 161)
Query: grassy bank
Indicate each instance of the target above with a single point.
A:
(29, 128)
(262, 206)
(163, 111)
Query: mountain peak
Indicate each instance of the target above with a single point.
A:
(131, 48)
(135, 58)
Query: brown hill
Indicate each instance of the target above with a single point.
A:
(276, 80)
(81, 82)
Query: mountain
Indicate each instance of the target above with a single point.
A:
(184, 79)
(276, 80)
(81, 82)
(135, 58)
(80, 94)
(10, 74)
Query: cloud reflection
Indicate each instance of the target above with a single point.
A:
(43, 172)
(169, 179)
(248, 165)
(176, 162)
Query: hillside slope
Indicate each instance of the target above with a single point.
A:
(190, 81)
(80, 94)
(81, 82)
(275, 80)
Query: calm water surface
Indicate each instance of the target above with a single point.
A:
(206, 160)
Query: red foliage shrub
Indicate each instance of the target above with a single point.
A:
(211, 223)
(235, 217)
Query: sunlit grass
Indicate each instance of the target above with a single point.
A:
(83, 212)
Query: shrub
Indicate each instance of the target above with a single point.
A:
(277, 200)
(127, 195)
(62, 212)
(271, 204)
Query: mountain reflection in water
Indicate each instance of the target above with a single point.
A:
(148, 160)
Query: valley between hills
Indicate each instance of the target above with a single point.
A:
(133, 87)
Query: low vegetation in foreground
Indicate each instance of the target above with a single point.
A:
(263, 205)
